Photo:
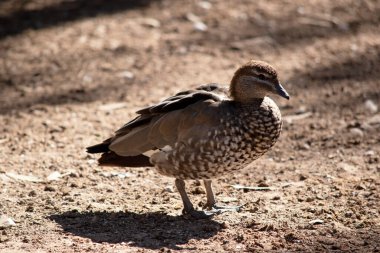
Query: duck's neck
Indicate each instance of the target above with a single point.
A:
(249, 103)
(240, 93)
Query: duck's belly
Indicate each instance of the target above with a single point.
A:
(213, 157)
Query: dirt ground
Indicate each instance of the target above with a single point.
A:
(72, 72)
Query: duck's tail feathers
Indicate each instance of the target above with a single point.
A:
(99, 148)
(112, 159)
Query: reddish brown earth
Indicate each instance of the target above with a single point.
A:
(72, 72)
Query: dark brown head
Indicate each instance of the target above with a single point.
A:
(255, 80)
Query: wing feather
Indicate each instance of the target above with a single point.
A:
(158, 125)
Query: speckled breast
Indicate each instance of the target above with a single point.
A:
(242, 136)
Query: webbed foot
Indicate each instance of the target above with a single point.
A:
(223, 209)
(200, 214)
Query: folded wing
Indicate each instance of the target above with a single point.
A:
(160, 125)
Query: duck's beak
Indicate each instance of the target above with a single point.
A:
(281, 91)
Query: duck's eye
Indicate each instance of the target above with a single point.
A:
(261, 76)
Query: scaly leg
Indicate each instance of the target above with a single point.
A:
(211, 203)
(209, 194)
(188, 208)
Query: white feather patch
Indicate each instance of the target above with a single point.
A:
(167, 148)
(149, 153)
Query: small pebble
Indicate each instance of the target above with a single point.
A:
(151, 22)
(74, 174)
(348, 214)
(374, 120)
(228, 199)
(32, 193)
(357, 132)
(169, 189)
(5, 221)
(198, 190)
(346, 167)
(303, 177)
(65, 191)
(192, 17)
(291, 238)
(3, 238)
(316, 222)
(54, 176)
(224, 225)
(204, 5)
(371, 106)
(360, 187)
(49, 188)
(200, 26)
(126, 74)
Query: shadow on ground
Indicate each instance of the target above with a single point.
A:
(70, 96)
(361, 67)
(343, 78)
(151, 230)
(61, 12)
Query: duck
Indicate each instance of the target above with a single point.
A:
(202, 133)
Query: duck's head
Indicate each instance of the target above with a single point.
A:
(255, 80)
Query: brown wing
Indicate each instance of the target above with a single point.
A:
(156, 126)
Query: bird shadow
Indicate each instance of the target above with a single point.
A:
(150, 230)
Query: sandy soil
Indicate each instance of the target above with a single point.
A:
(72, 72)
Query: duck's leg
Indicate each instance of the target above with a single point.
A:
(211, 203)
(209, 194)
(188, 208)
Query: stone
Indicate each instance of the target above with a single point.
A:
(371, 106)
(6, 221)
(357, 132)
(316, 222)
